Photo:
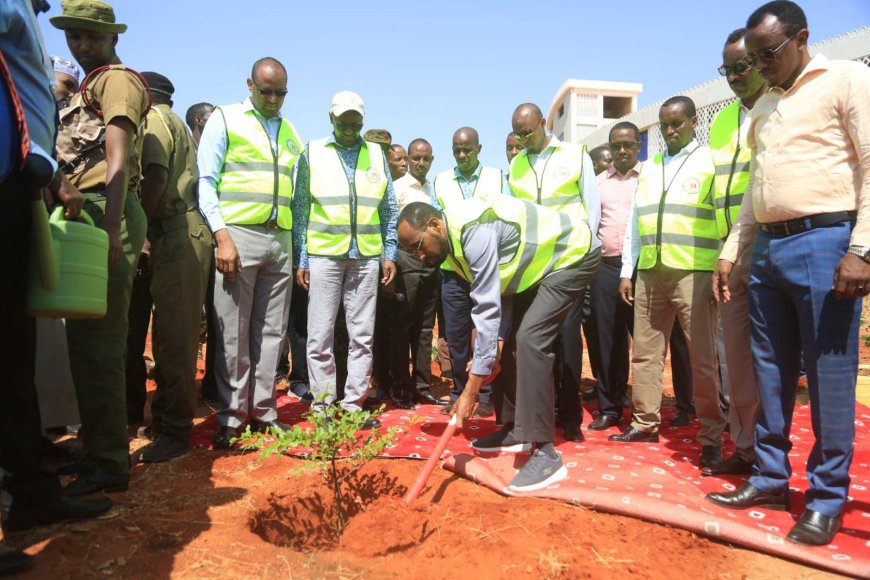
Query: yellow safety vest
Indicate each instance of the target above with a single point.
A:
(254, 179)
(559, 187)
(676, 220)
(332, 224)
(549, 240)
(731, 156)
(448, 191)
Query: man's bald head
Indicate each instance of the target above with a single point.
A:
(528, 126)
(468, 135)
(270, 63)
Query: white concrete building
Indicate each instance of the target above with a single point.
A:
(581, 106)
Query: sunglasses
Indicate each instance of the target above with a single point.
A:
(767, 54)
(737, 68)
(342, 127)
(280, 93)
(524, 136)
(627, 145)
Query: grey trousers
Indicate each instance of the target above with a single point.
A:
(334, 281)
(524, 393)
(742, 387)
(251, 314)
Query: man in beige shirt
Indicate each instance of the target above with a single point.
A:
(809, 198)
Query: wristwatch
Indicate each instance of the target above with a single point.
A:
(862, 252)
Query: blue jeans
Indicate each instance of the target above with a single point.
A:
(792, 306)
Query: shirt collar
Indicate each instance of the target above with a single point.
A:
(458, 174)
(690, 146)
(611, 171)
(409, 180)
(248, 105)
(331, 141)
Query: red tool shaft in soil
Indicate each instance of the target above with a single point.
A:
(430, 463)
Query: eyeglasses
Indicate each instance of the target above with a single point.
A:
(627, 145)
(280, 93)
(767, 54)
(524, 136)
(737, 68)
(342, 127)
(420, 243)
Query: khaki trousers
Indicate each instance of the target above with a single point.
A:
(742, 387)
(661, 296)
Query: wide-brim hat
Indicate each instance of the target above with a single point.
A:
(92, 15)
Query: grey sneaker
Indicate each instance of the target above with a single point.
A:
(500, 441)
(540, 471)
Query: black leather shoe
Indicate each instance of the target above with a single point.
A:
(711, 455)
(224, 438)
(483, 410)
(95, 480)
(403, 402)
(750, 496)
(13, 561)
(734, 465)
(632, 435)
(265, 426)
(370, 424)
(590, 395)
(164, 449)
(62, 509)
(427, 398)
(573, 433)
(814, 529)
(603, 422)
(681, 419)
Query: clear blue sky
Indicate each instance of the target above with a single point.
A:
(425, 69)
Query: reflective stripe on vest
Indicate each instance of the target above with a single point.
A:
(559, 187)
(254, 178)
(549, 240)
(677, 221)
(731, 156)
(448, 190)
(332, 224)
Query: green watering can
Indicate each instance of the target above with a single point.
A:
(69, 267)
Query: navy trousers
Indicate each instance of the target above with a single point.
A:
(791, 305)
(456, 303)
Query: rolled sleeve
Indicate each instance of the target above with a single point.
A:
(301, 208)
(480, 246)
(388, 212)
(209, 161)
(630, 245)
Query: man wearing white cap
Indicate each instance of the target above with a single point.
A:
(344, 223)
(66, 80)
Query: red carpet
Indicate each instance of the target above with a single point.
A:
(656, 482)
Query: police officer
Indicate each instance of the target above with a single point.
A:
(180, 262)
(508, 249)
(673, 239)
(559, 176)
(98, 147)
(245, 159)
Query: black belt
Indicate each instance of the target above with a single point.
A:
(612, 260)
(810, 222)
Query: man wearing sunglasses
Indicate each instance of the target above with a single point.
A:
(560, 176)
(246, 158)
(731, 157)
(344, 222)
(808, 209)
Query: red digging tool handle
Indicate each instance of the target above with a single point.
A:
(430, 463)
